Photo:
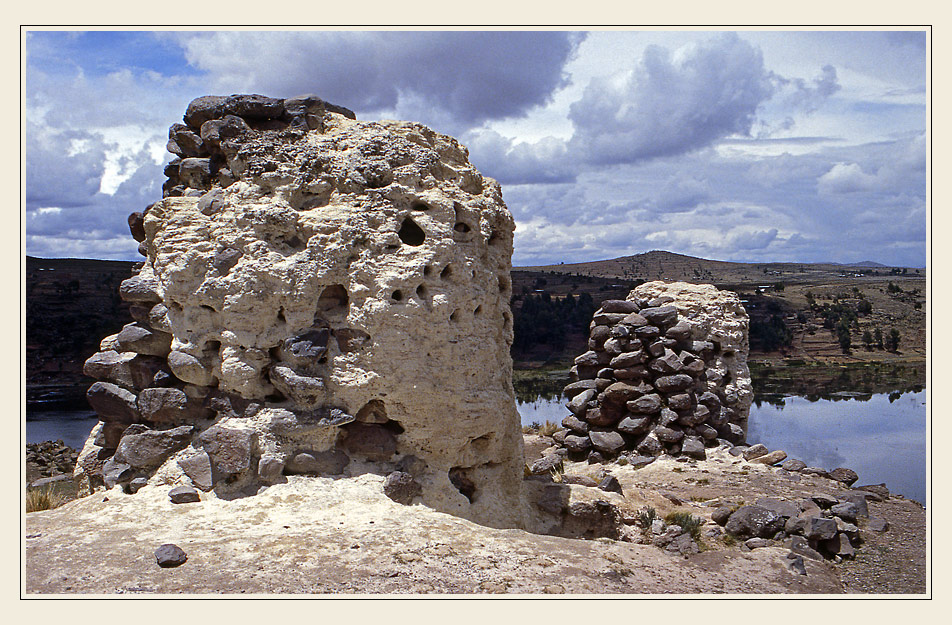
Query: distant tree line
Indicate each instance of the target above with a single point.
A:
(544, 320)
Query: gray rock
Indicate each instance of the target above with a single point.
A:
(793, 464)
(305, 391)
(847, 511)
(636, 461)
(650, 446)
(800, 546)
(770, 458)
(184, 494)
(846, 476)
(136, 338)
(647, 404)
(839, 545)
(169, 555)
(879, 489)
(819, 528)
(198, 467)
(634, 425)
(819, 471)
(877, 524)
(115, 472)
(628, 359)
(229, 449)
(668, 435)
(706, 432)
(588, 359)
(196, 172)
(660, 316)
(667, 363)
(111, 366)
(575, 388)
(149, 449)
(634, 320)
(591, 519)
(683, 545)
(646, 333)
(754, 521)
(140, 290)
(721, 515)
(755, 451)
(607, 442)
(797, 565)
(202, 109)
(215, 132)
(693, 447)
(112, 403)
(681, 331)
(755, 543)
(190, 369)
(137, 484)
(673, 383)
(619, 306)
(858, 500)
(786, 509)
(552, 499)
(681, 401)
(401, 487)
(632, 373)
(168, 405)
(610, 484)
(579, 480)
(577, 444)
(824, 501)
(607, 319)
(578, 404)
(546, 464)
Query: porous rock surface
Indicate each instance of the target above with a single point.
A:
(322, 296)
(666, 372)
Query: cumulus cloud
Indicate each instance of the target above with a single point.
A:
(472, 76)
(543, 161)
(671, 103)
(809, 96)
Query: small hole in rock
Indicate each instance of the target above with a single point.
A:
(420, 206)
(427, 270)
(333, 296)
(207, 307)
(447, 272)
(462, 483)
(455, 315)
(478, 310)
(281, 316)
(494, 238)
(397, 295)
(503, 283)
(461, 227)
(410, 233)
(421, 291)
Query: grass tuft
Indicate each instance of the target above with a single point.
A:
(43, 499)
(688, 522)
(645, 517)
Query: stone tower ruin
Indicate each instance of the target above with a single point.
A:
(320, 296)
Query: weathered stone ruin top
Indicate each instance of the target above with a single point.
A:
(321, 296)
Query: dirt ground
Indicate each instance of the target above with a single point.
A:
(331, 536)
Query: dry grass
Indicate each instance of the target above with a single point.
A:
(543, 429)
(43, 499)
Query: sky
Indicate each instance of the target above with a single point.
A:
(749, 146)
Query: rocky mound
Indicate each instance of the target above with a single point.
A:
(321, 296)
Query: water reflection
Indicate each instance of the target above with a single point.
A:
(877, 430)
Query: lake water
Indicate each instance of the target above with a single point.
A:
(881, 436)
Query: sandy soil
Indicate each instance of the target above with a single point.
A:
(321, 535)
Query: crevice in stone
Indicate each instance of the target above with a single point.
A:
(419, 206)
(333, 299)
(397, 295)
(462, 482)
(410, 233)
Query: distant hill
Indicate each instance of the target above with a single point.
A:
(661, 265)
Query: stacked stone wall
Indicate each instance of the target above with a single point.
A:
(666, 372)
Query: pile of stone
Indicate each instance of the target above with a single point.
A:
(320, 296)
(50, 458)
(666, 372)
(816, 527)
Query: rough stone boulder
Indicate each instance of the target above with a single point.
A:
(317, 285)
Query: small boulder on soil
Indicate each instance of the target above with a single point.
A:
(169, 555)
